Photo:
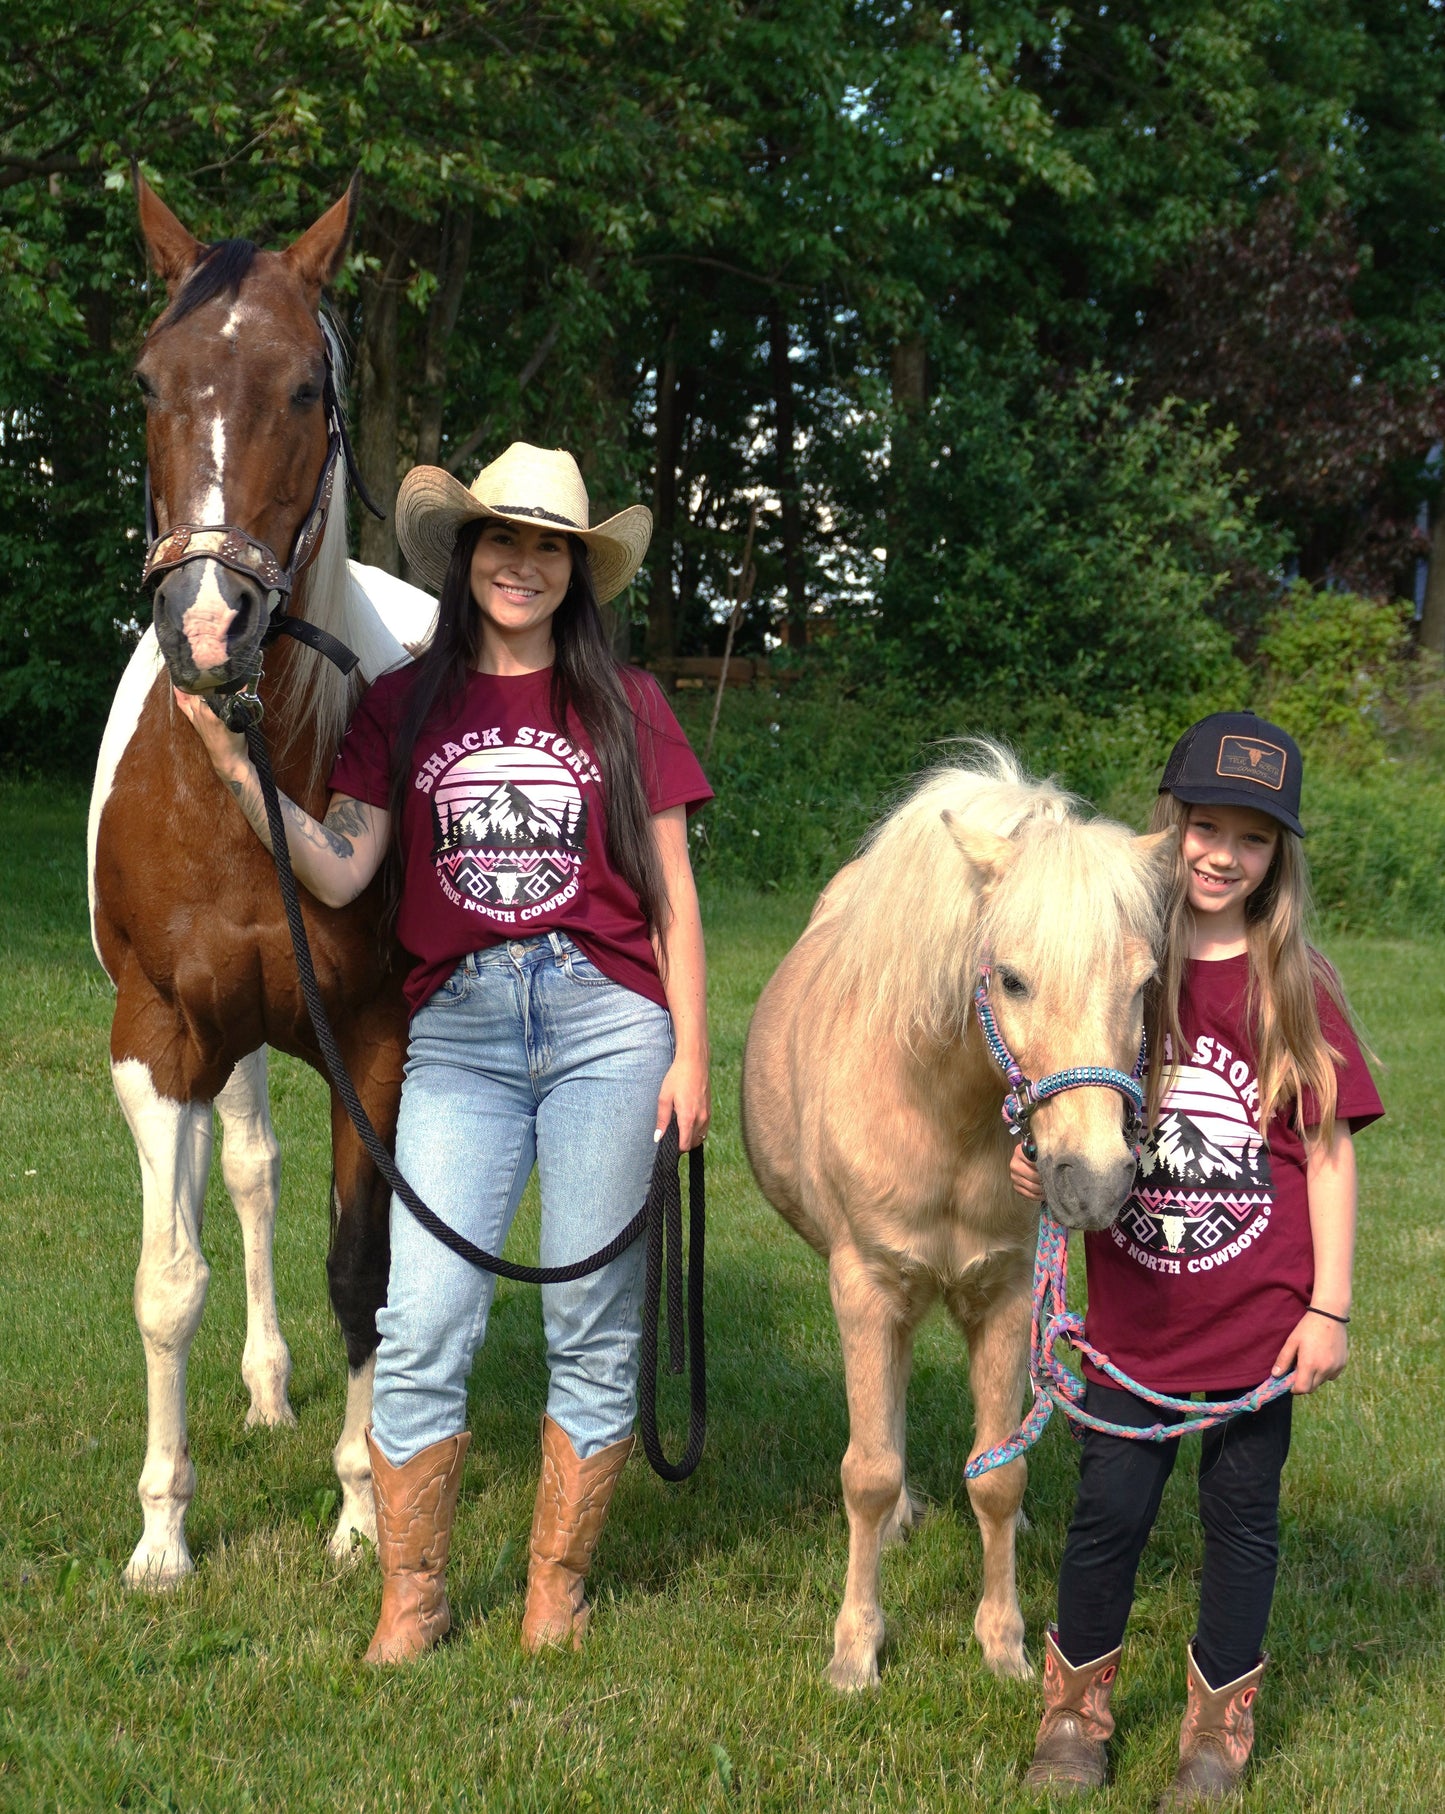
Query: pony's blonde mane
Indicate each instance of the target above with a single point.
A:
(321, 697)
(909, 921)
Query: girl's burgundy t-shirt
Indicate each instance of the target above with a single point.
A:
(1211, 1262)
(504, 831)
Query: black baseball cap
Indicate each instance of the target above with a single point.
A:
(1237, 759)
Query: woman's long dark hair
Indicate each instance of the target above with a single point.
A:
(586, 684)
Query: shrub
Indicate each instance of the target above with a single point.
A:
(1060, 543)
(1334, 672)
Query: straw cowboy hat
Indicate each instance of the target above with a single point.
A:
(523, 485)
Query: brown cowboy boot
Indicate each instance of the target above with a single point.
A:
(1215, 1739)
(1069, 1752)
(415, 1504)
(571, 1508)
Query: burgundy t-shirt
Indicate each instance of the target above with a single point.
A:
(1211, 1262)
(504, 831)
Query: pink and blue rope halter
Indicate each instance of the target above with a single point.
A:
(1053, 1382)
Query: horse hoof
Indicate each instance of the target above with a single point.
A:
(271, 1417)
(157, 1571)
(853, 1675)
(349, 1542)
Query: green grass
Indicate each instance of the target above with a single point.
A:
(701, 1686)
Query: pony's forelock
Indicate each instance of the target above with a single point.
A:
(912, 925)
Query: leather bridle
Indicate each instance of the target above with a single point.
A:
(237, 704)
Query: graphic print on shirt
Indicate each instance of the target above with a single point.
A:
(509, 830)
(1203, 1193)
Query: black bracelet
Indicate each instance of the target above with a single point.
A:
(1329, 1313)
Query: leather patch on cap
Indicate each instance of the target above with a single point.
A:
(1247, 759)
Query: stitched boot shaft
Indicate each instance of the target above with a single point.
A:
(415, 1505)
(572, 1501)
(1070, 1750)
(1215, 1738)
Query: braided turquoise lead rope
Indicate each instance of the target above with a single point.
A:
(1053, 1321)
(1055, 1385)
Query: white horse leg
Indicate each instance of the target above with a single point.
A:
(875, 1348)
(251, 1165)
(173, 1140)
(998, 1345)
(353, 1467)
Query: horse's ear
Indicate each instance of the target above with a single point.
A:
(173, 250)
(989, 854)
(316, 257)
(1157, 849)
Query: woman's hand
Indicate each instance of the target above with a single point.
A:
(685, 1093)
(684, 1090)
(1023, 1174)
(226, 749)
(1317, 1350)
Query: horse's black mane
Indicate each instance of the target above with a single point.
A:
(222, 270)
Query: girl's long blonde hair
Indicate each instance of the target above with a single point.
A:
(1292, 1055)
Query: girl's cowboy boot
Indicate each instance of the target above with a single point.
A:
(572, 1501)
(415, 1505)
(1215, 1738)
(1070, 1750)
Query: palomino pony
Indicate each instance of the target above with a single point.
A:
(871, 1117)
(185, 914)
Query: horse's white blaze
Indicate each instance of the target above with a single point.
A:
(251, 1166)
(125, 710)
(207, 622)
(173, 1140)
(233, 321)
(353, 1466)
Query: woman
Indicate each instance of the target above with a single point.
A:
(528, 796)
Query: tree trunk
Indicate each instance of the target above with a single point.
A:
(794, 580)
(909, 379)
(454, 252)
(376, 391)
(661, 629)
(1432, 617)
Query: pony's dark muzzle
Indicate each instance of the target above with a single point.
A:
(209, 622)
(1083, 1194)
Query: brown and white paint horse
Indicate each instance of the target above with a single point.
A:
(185, 913)
(871, 1117)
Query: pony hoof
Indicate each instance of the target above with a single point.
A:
(1010, 1665)
(853, 1675)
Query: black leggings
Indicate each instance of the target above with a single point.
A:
(1120, 1485)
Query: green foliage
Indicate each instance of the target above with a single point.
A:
(1334, 666)
(1063, 544)
(801, 773)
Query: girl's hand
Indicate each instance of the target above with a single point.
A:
(1317, 1349)
(1023, 1174)
(684, 1093)
(226, 749)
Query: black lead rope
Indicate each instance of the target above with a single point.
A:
(660, 1214)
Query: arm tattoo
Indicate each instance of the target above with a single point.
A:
(301, 826)
(349, 817)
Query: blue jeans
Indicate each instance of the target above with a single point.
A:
(527, 1053)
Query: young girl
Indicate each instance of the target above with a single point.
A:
(1230, 1262)
(529, 796)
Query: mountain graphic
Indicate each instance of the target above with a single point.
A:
(1182, 1151)
(505, 818)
